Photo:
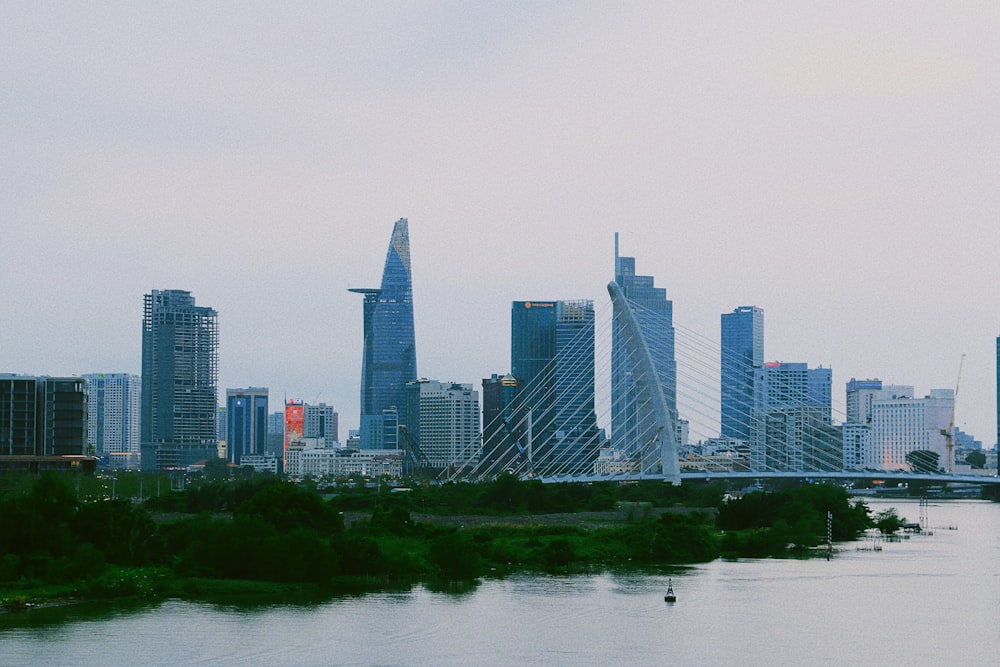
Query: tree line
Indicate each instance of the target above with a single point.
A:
(266, 530)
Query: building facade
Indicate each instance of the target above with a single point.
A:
(113, 408)
(246, 417)
(505, 425)
(742, 354)
(442, 418)
(180, 358)
(654, 317)
(321, 421)
(389, 359)
(552, 356)
(792, 429)
(903, 425)
(43, 423)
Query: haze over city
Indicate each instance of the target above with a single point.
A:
(838, 166)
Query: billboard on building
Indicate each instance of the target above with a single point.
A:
(294, 421)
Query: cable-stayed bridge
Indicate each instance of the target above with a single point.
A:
(633, 395)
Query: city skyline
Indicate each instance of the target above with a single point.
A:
(836, 166)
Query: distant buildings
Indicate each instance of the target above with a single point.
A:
(905, 424)
(552, 354)
(43, 423)
(792, 428)
(180, 343)
(389, 359)
(505, 425)
(654, 315)
(742, 355)
(442, 419)
(113, 406)
(321, 421)
(247, 421)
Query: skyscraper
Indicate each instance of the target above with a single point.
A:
(552, 354)
(113, 401)
(246, 414)
(742, 354)
(443, 419)
(180, 357)
(654, 316)
(390, 359)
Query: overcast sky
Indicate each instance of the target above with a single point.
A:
(836, 164)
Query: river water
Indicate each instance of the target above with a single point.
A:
(927, 600)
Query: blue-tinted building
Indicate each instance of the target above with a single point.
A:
(552, 356)
(654, 316)
(247, 422)
(742, 354)
(390, 358)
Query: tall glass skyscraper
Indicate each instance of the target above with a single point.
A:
(742, 354)
(180, 359)
(552, 355)
(654, 315)
(390, 358)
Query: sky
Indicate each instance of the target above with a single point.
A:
(837, 164)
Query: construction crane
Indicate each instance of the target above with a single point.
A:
(949, 435)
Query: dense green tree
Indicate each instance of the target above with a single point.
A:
(888, 521)
(122, 531)
(976, 458)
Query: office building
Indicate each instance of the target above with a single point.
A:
(505, 426)
(552, 354)
(180, 358)
(654, 316)
(903, 425)
(442, 418)
(321, 421)
(389, 359)
(113, 407)
(247, 422)
(43, 423)
(792, 429)
(742, 354)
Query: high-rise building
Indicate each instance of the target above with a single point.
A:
(246, 415)
(654, 317)
(113, 402)
(321, 421)
(552, 354)
(389, 360)
(791, 429)
(276, 433)
(443, 419)
(294, 422)
(742, 354)
(180, 343)
(505, 425)
(43, 423)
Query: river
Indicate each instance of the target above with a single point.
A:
(927, 600)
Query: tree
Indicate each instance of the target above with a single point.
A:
(923, 460)
(976, 458)
(888, 521)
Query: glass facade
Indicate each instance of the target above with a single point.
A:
(552, 356)
(390, 357)
(247, 422)
(742, 353)
(654, 315)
